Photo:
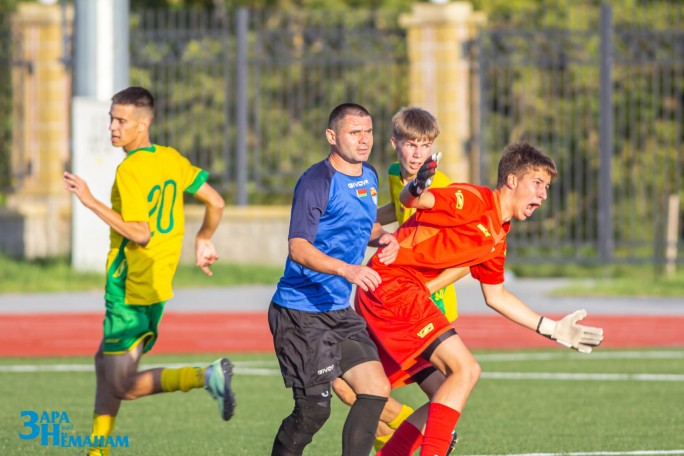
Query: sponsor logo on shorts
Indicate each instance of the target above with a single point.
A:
(438, 297)
(326, 369)
(426, 330)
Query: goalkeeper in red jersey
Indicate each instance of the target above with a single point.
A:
(461, 225)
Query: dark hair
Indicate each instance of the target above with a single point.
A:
(136, 96)
(346, 109)
(521, 157)
(414, 123)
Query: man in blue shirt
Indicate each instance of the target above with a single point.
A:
(317, 335)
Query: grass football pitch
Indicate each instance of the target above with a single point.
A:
(527, 402)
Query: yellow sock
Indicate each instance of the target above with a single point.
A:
(102, 426)
(380, 441)
(403, 414)
(182, 379)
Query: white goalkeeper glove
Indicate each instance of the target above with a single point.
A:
(424, 175)
(567, 332)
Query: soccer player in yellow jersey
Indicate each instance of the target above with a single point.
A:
(147, 223)
(414, 131)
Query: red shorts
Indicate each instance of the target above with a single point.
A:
(402, 321)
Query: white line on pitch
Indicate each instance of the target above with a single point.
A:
(596, 355)
(582, 376)
(267, 371)
(595, 453)
(30, 368)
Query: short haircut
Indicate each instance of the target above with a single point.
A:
(136, 96)
(413, 123)
(345, 109)
(519, 158)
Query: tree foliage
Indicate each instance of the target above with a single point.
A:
(299, 65)
(540, 81)
(541, 75)
(280, 4)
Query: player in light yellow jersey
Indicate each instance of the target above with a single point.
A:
(413, 133)
(147, 223)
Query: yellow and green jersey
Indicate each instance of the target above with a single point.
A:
(397, 184)
(445, 298)
(149, 187)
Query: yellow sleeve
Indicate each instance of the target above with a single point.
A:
(440, 180)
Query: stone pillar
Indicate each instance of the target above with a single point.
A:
(100, 70)
(41, 132)
(439, 75)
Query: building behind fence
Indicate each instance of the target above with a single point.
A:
(246, 95)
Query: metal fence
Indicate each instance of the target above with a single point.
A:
(605, 99)
(247, 94)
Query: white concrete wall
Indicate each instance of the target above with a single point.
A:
(251, 234)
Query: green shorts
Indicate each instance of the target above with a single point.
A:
(125, 326)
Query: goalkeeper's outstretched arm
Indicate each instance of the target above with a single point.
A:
(565, 331)
(415, 194)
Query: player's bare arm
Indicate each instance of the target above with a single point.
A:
(205, 252)
(447, 277)
(386, 214)
(565, 331)
(138, 232)
(509, 305)
(303, 252)
(386, 242)
(424, 201)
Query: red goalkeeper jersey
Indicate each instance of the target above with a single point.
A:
(463, 229)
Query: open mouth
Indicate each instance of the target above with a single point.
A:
(529, 209)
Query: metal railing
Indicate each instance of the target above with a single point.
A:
(605, 100)
(247, 94)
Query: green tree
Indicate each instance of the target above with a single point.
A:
(399, 5)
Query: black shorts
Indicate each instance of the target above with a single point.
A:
(314, 348)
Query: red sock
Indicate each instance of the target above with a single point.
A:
(441, 422)
(405, 440)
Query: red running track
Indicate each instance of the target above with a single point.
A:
(79, 334)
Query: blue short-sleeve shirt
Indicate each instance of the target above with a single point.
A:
(336, 213)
